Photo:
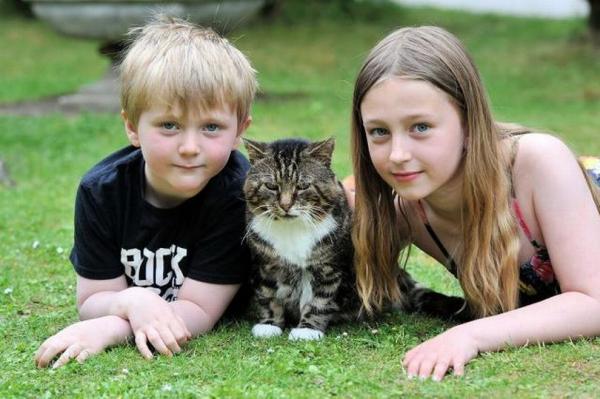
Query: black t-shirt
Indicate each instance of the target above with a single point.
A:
(117, 232)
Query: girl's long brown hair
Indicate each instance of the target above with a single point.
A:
(488, 268)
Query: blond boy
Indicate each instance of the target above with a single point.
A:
(159, 224)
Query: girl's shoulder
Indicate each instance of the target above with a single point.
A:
(538, 157)
(535, 148)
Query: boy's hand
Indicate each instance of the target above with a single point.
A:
(82, 340)
(153, 321)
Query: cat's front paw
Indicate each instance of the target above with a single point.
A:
(305, 334)
(266, 331)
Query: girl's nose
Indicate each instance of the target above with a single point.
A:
(400, 151)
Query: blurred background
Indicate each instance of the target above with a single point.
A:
(540, 61)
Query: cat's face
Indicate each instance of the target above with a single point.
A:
(290, 179)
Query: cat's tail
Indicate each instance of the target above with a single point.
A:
(420, 299)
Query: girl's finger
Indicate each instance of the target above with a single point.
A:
(142, 344)
(440, 370)
(459, 367)
(426, 368)
(83, 355)
(412, 368)
(156, 340)
(408, 356)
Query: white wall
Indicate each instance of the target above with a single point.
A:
(535, 8)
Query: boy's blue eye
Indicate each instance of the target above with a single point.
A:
(421, 127)
(211, 127)
(169, 125)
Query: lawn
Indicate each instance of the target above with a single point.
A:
(538, 72)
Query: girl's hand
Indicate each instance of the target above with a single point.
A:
(82, 340)
(453, 348)
(153, 321)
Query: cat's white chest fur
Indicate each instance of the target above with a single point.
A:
(293, 239)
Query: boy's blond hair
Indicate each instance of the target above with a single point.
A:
(172, 62)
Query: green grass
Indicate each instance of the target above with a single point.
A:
(538, 72)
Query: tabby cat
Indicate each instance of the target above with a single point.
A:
(299, 232)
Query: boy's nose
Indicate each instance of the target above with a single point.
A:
(189, 144)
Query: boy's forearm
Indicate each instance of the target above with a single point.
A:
(570, 315)
(108, 303)
(121, 330)
(195, 318)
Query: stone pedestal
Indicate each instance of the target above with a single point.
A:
(109, 21)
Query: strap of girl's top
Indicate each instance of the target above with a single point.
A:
(515, 203)
(523, 224)
(520, 219)
(438, 242)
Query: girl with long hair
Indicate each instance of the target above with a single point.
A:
(508, 211)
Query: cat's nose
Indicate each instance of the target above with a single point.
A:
(285, 201)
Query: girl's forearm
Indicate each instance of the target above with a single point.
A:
(569, 315)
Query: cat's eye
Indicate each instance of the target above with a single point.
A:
(302, 186)
(271, 186)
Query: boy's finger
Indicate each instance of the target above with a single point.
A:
(49, 354)
(39, 353)
(181, 334)
(40, 359)
(168, 338)
(142, 345)
(184, 326)
(69, 353)
(156, 340)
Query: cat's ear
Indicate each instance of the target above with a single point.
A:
(322, 150)
(256, 150)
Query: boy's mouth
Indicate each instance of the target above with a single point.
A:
(188, 166)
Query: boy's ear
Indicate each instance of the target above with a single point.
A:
(256, 150)
(322, 151)
(242, 127)
(130, 130)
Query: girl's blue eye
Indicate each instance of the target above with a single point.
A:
(421, 127)
(378, 132)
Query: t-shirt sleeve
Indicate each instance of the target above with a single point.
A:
(95, 254)
(221, 255)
